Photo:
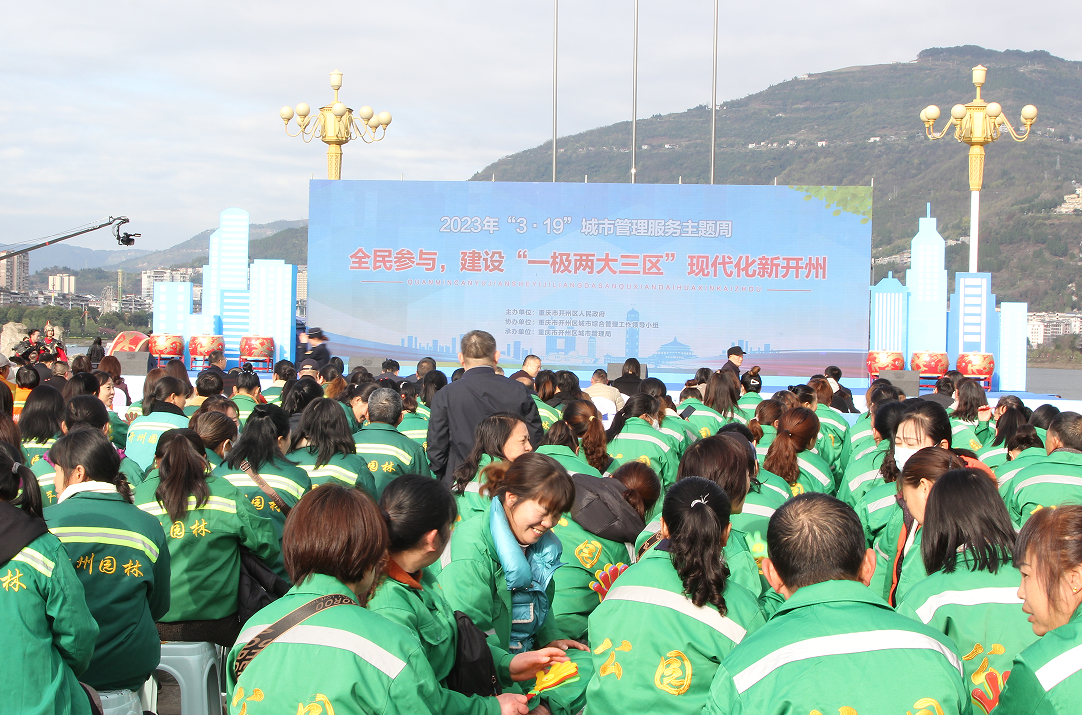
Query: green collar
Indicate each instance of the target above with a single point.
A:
(556, 449)
(323, 585)
(1065, 456)
(832, 592)
(378, 426)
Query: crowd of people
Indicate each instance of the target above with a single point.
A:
(521, 544)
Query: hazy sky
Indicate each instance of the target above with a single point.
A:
(168, 112)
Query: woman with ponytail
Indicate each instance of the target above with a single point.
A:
(1024, 448)
(679, 592)
(39, 423)
(870, 469)
(120, 557)
(723, 396)
(208, 521)
(499, 567)
(833, 444)
(323, 446)
(790, 455)
(218, 433)
(429, 385)
(257, 466)
(670, 424)
(577, 440)
(498, 440)
(751, 384)
(544, 390)
(971, 418)
(163, 410)
(247, 392)
(764, 426)
(599, 535)
(704, 420)
(633, 436)
(420, 513)
(994, 454)
(49, 630)
(414, 424)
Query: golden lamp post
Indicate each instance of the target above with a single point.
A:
(976, 124)
(336, 125)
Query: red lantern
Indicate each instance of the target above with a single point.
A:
(930, 364)
(879, 360)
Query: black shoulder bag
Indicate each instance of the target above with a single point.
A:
(474, 671)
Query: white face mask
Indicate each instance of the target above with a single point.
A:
(902, 455)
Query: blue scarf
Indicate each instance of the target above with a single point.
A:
(528, 574)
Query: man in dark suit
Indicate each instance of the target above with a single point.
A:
(458, 408)
(216, 362)
(736, 359)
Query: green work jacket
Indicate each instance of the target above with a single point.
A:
(572, 462)
(472, 503)
(638, 441)
(120, 557)
(680, 433)
(981, 612)
(993, 455)
(1045, 677)
(50, 631)
(345, 659)
(705, 420)
(287, 479)
(815, 474)
(743, 568)
(47, 478)
(426, 613)
(144, 432)
(862, 474)
(415, 427)
(273, 395)
(814, 653)
(770, 433)
(875, 509)
(389, 454)
(749, 401)
(348, 470)
(1055, 480)
(760, 504)
(860, 434)
(833, 437)
(245, 404)
(1006, 472)
(654, 650)
(549, 414)
(586, 556)
(204, 548)
(893, 538)
(118, 432)
(964, 435)
(35, 450)
(424, 410)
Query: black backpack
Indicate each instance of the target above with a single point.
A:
(474, 671)
(600, 508)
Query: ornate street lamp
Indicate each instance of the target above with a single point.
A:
(336, 125)
(976, 124)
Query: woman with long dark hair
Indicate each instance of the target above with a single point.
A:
(420, 513)
(431, 383)
(414, 425)
(680, 591)
(208, 521)
(1010, 420)
(354, 400)
(39, 423)
(971, 593)
(163, 410)
(498, 439)
(723, 396)
(790, 455)
(322, 446)
(544, 391)
(499, 568)
(577, 440)
(567, 390)
(1042, 418)
(257, 466)
(218, 433)
(865, 472)
(670, 424)
(120, 557)
(971, 416)
(1024, 448)
(633, 436)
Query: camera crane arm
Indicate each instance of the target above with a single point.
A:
(124, 239)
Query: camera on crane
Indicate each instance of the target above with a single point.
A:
(124, 239)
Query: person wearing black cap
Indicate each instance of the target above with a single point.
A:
(736, 357)
(315, 347)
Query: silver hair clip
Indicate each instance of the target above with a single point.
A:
(700, 500)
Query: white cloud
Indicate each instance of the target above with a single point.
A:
(169, 113)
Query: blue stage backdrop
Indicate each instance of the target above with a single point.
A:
(586, 274)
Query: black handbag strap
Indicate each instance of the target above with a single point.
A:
(648, 544)
(255, 646)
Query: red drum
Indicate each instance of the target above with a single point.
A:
(202, 345)
(879, 360)
(167, 346)
(129, 341)
(930, 364)
(253, 347)
(977, 365)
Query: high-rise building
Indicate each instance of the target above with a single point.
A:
(62, 283)
(890, 316)
(926, 280)
(302, 282)
(631, 335)
(15, 272)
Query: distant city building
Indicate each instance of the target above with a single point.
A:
(1044, 328)
(926, 280)
(158, 275)
(15, 272)
(62, 283)
(302, 282)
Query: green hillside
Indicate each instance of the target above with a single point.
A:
(1034, 254)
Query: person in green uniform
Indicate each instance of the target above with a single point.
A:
(665, 625)
(1057, 479)
(354, 400)
(764, 426)
(163, 410)
(860, 434)
(971, 416)
(323, 447)
(500, 567)
(751, 384)
(303, 392)
(284, 372)
(246, 392)
(577, 440)
(260, 450)
(1023, 449)
(206, 520)
(120, 557)
(544, 389)
(501, 438)
(218, 433)
(433, 381)
(867, 470)
(1010, 420)
(790, 455)
(420, 514)
(387, 452)
(39, 423)
(1042, 417)
(118, 433)
(669, 423)
(833, 444)
(207, 384)
(814, 653)
(1046, 677)
(342, 657)
(414, 425)
(600, 533)
(766, 493)
(971, 594)
(722, 395)
(634, 436)
(49, 627)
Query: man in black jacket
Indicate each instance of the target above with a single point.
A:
(458, 408)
